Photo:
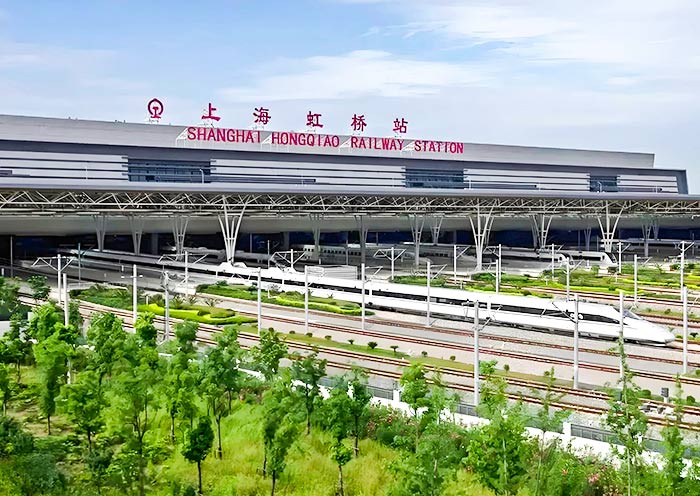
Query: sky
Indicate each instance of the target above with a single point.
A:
(593, 74)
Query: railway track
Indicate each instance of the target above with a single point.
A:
(206, 332)
(449, 331)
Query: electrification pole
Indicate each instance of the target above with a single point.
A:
(60, 296)
(622, 330)
(135, 291)
(66, 306)
(684, 291)
(166, 327)
(392, 263)
(362, 269)
(427, 295)
(259, 300)
(476, 353)
(576, 341)
(306, 298)
(635, 279)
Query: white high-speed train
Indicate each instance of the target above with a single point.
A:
(596, 320)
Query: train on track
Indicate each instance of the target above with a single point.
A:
(544, 314)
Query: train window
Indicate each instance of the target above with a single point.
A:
(632, 315)
(599, 318)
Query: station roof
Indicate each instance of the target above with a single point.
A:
(158, 199)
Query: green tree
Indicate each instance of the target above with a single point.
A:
(198, 446)
(83, 401)
(9, 296)
(39, 287)
(629, 423)
(414, 392)
(13, 347)
(221, 378)
(309, 370)
(51, 356)
(134, 401)
(6, 387)
(269, 352)
(98, 462)
(548, 420)
(499, 452)
(145, 329)
(674, 466)
(339, 421)
(359, 404)
(281, 410)
(284, 438)
(45, 321)
(107, 338)
(181, 377)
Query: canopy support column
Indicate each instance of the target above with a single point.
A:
(316, 220)
(435, 225)
(417, 223)
(607, 229)
(362, 231)
(540, 229)
(481, 230)
(100, 222)
(179, 225)
(587, 236)
(230, 225)
(136, 224)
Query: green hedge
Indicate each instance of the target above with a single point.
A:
(197, 315)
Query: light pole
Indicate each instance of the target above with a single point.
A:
(259, 300)
(684, 291)
(427, 295)
(362, 274)
(306, 298)
(66, 306)
(576, 341)
(476, 353)
(635, 279)
(622, 330)
(166, 328)
(60, 271)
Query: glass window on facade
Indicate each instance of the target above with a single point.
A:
(434, 178)
(169, 171)
(603, 184)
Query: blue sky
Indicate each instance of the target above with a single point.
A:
(607, 74)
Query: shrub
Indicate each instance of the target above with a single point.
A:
(645, 393)
(372, 345)
(394, 347)
(328, 338)
(292, 331)
(453, 358)
(667, 312)
(506, 367)
(351, 341)
(690, 400)
(424, 353)
(309, 334)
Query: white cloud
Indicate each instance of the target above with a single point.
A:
(356, 74)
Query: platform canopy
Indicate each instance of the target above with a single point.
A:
(153, 199)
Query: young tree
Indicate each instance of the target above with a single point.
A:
(268, 354)
(339, 421)
(13, 347)
(309, 370)
(547, 421)
(107, 338)
(134, 402)
(628, 422)
(284, 438)
(414, 392)
(39, 287)
(221, 378)
(281, 409)
(145, 329)
(359, 404)
(499, 453)
(6, 387)
(44, 322)
(673, 479)
(198, 446)
(180, 379)
(51, 356)
(9, 296)
(83, 402)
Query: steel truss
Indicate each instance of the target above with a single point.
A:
(163, 203)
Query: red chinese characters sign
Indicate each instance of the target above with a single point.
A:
(317, 141)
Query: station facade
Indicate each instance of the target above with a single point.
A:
(42, 154)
